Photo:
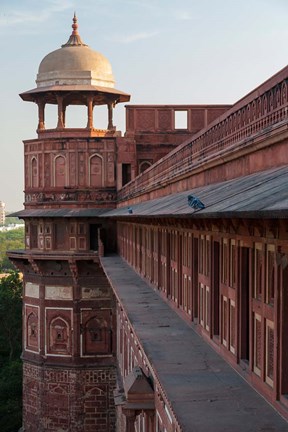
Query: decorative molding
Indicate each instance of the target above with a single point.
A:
(75, 196)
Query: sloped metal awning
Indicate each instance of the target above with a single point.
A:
(49, 91)
(262, 194)
(65, 213)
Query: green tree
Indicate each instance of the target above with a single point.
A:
(10, 351)
(12, 220)
(12, 240)
(10, 316)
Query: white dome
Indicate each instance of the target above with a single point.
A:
(75, 64)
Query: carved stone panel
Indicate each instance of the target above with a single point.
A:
(47, 170)
(96, 332)
(164, 119)
(92, 293)
(72, 170)
(31, 328)
(58, 331)
(145, 119)
(58, 292)
(31, 290)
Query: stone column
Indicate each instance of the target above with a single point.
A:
(60, 124)
(64, 115)
(130, 415)
(110, 116)
(41, 115)
(90, 113)
(150, 418)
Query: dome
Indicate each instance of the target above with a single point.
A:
(75, 64)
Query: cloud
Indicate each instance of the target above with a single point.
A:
(183, 15)
(135, 37)
(144, 4)
(14, 17)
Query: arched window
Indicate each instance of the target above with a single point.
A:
(283, 93)
(60, 171)
(59, 336)
(32, 331)
(34, 172)
(96, 171)
(97, 336)
(144, 166)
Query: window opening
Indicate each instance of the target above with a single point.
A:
(181, 119)
(244, 304)
(94, 237)
(126, 173)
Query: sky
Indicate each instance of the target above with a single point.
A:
(161, 51)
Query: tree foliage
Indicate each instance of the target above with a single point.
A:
(10, 351)
(12, 220)
(10, 240)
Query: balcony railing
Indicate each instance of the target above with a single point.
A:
(236, 129)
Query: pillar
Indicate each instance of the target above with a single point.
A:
(41, 115)
(130, 415)
(60, 124)
(110, 116)
(150, 418)
(90, 113)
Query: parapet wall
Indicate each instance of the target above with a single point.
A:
(251, 136)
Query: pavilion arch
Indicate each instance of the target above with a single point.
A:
(94, 325)
(96, 170)
(59, 171)
(34, 181)
(283, 93)
(96, 336)
(75, 116)
(143, 166)
(32, 330)
(59, 335)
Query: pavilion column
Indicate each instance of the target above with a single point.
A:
(110, 116)
(41, 115)
(64, 115)
(90, 113)
(150, 418)
(130, 415)
(60, 124)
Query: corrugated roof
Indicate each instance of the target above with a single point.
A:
(63, 212)
(29, 95)
(262, 194)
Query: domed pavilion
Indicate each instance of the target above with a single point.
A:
(75, 75)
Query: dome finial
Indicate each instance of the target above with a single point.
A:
(75, 25)
(74, 39)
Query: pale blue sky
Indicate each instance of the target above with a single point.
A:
(161, 51)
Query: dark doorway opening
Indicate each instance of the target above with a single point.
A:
(216, 296)
(244, 305)
(94, 237)
(33, 236)
(195, 279)
(126, 173)
(283, 343)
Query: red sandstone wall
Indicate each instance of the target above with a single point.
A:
(68, 399)
(227, 277)
(154, 128)
(249, 137)
(130, 353)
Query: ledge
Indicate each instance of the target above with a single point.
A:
(205, 393)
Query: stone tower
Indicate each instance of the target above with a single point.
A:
(2, 213)
(68, 306)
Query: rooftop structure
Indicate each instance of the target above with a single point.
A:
(155, 263)
(2, 213)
